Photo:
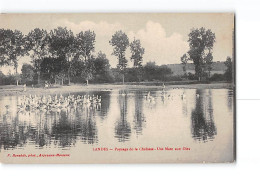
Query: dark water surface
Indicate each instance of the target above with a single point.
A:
(182, 116)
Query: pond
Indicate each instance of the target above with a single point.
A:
(199, 119)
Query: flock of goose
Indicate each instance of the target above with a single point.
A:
(164, 96)
(57, 103)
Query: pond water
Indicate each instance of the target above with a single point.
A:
(200, 119)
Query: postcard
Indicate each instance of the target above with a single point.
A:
(117, 88)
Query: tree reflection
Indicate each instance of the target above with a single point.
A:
(139, 118)
(42, 128)
(122, 127)
(203, 126)
(88, 128)
(230, 95)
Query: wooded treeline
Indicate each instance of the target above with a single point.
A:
(62, 57)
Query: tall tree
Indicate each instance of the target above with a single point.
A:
(38, 42)
(12, 48)
(137, 56)
(85, 42)
(88, 70)
(120, 42)
(229, 71)
(184, 61)
(63, 45)
(208, 63)
(137, 53)
(5, 46)
(201, 42)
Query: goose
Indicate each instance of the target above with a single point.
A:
(99, 99)
(148, 95)
(183, 96)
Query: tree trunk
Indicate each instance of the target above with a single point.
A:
(87, 82)
(62, 81)
(39, 79)
(69, 74)
(123, 79)
(16, 76)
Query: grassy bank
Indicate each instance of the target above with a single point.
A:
(8, 90)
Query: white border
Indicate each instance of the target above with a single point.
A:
(248, 83)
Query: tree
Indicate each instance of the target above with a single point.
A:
(229, 72)
(2, 78)
(137, 53)
(208, 63)
(5, 46)
(137, 56)
(120, 42)
(102, 68)
(88, 70)
(27, 73)
(85, 42)
(12, 48)
(184, 61)
(38, 42)
(77, 65)
(201, 42)
(63, 45)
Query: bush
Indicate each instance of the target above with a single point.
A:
(217, 77)
(192, 76)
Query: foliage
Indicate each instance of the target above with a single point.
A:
(27, 74)
(102, 71)
(85, 42)
(229, 72)
(153, 72)
(63, 44)
(54, 68)
(137, 53)
(120, 42)
(192, 76)
(37, 41)
(201, 42)
(11, 48)
(184, 60)
(2, 78)
(217, 77)
(7, 79)
(208, 63)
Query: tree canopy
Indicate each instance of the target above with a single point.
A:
(201, 42)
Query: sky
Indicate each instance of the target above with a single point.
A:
(163, 35)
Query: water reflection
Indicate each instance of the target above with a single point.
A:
(139, 118)
(122, 126)
(122, 116)
(203, 126)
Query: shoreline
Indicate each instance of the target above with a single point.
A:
(11, 90)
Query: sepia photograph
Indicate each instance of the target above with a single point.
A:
(117, 88)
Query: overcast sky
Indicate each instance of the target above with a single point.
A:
(164, 36)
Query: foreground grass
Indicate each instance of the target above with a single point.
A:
(9, 90)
